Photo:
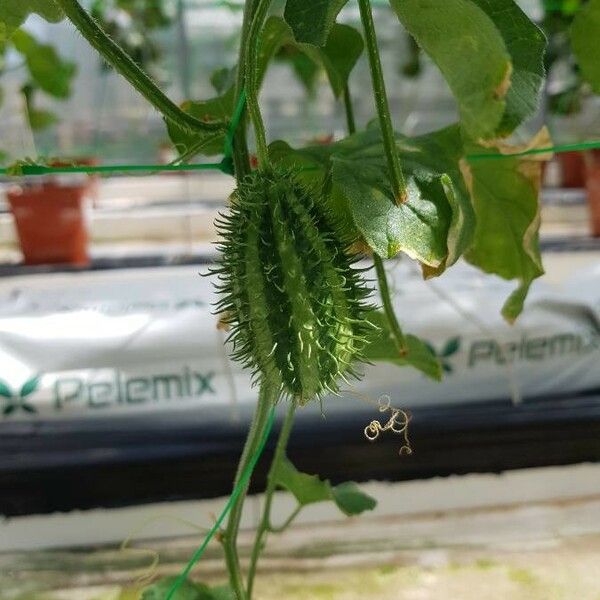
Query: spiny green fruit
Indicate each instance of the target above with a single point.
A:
(289, 291)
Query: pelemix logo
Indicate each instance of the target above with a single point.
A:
(105, 389)
(119, 389)
(17, 401)
(531, 349)
(451, 347)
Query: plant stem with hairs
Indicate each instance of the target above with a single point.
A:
(264, 527)
(241, 159)
(267, 397)
(388, 307)
(384, 289)
(381, 102)
(258, 19)
(114, 55)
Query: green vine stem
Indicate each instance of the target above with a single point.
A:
(112, 53)
(241, 159)
(349, 110)
(264, 527)
(266, 399)
(281, 528)
(384, 289)
(388, 307)
(262, 151)
(381, 101)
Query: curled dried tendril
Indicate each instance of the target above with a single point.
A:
(397, 423)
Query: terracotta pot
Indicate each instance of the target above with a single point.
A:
(573, 169)
(93, 180)
(592, 185)
(50, 223)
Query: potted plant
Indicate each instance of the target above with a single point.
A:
(49, 213)
(299, 313)
(50, 221)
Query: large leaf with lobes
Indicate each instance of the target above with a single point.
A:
(526, 45)
(469, 51)
(493, 210)
(489, 53)
(418, 227)
(13, 14)
(506, 200)
(434, 226)
(585, 40)
(338, 57)
(312, 21)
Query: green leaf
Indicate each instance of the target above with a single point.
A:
(305, 69)
(5, 390)
(222, 79)
(38, 119)
(48, 70)
(29, 386)
(309, 489)
(41, 119)
(208, 143)
(506, 242)
(382, 348)
(435, 226)
(312, 21)
(494, 96)
(341, 52)
(526, 45)
(337, 59)
(585, 36)
(222, 592)
(187, 591)
(417, 227)
(471, 54)
(340, 55)
(350, 500)
(13, 14)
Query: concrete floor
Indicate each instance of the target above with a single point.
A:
(543, 548)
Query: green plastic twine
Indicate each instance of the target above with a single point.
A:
(226, 165)
(554, 149)
(235, 121)
(234, 495)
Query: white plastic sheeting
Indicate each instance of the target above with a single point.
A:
(145, 341)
